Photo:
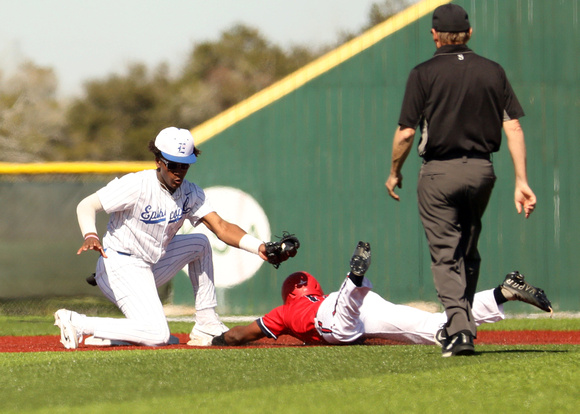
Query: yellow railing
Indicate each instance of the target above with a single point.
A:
(103, 167)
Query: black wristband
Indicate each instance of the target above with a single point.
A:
(219, 340)
(498, 295)
(356, 279)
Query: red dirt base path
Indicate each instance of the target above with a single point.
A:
(50, 343)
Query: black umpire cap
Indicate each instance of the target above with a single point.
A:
(450, 18)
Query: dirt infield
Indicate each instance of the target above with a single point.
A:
(50, 343)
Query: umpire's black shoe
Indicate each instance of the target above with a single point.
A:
(441, 337)
(361, 259)
(459, 344)
(515, 287)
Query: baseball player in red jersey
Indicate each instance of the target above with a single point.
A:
(355, 313)
(142, 251)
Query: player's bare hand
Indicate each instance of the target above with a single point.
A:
(262, 252)
(525, 199)
(92, 243)
(392, 182)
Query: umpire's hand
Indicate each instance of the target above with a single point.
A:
(392, 182)
(525, 199)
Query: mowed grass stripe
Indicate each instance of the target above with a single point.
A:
(348, 379)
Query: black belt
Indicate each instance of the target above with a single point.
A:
(457, 155)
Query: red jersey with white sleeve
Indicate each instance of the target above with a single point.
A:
(295, 318)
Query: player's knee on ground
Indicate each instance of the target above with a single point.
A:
(157, 335)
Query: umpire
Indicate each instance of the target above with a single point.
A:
(460, 101)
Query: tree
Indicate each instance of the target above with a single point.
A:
(31, 118)
(111, 120)
(116, 117)
(378, 13)
(242, 62)
(382, 11)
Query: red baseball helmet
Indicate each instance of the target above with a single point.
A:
(300, 284)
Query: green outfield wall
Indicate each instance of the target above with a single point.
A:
(314, 152)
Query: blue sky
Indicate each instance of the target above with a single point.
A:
(87, 39)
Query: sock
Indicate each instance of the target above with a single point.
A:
(357, 280)
(205, 316)
(499, 296)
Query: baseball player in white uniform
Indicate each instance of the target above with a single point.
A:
(355, 312)
(142, 251)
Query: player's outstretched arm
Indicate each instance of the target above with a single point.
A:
(239, 335)
(232, 234)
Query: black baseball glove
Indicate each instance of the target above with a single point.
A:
(280, 251)
(91, 280)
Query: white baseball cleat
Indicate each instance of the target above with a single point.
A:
(69, 336)
(203, 335)
(92, 341)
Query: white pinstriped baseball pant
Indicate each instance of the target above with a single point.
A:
(352, 312)
(132, 284)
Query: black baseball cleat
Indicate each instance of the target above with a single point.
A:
(459, 344)
(515, 287)
(91, 280)
(441, 337)
(361, 259)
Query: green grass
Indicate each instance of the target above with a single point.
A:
(348, 379)
(293, 380)
(90, 305)
(544, 323)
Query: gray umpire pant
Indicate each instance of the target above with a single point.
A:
(453, 196)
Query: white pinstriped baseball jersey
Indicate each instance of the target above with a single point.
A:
(144, 216)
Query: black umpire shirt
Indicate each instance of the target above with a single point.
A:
(460, 100)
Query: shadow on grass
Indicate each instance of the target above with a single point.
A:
(522, 351)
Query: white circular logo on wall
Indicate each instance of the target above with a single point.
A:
(233, 266)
